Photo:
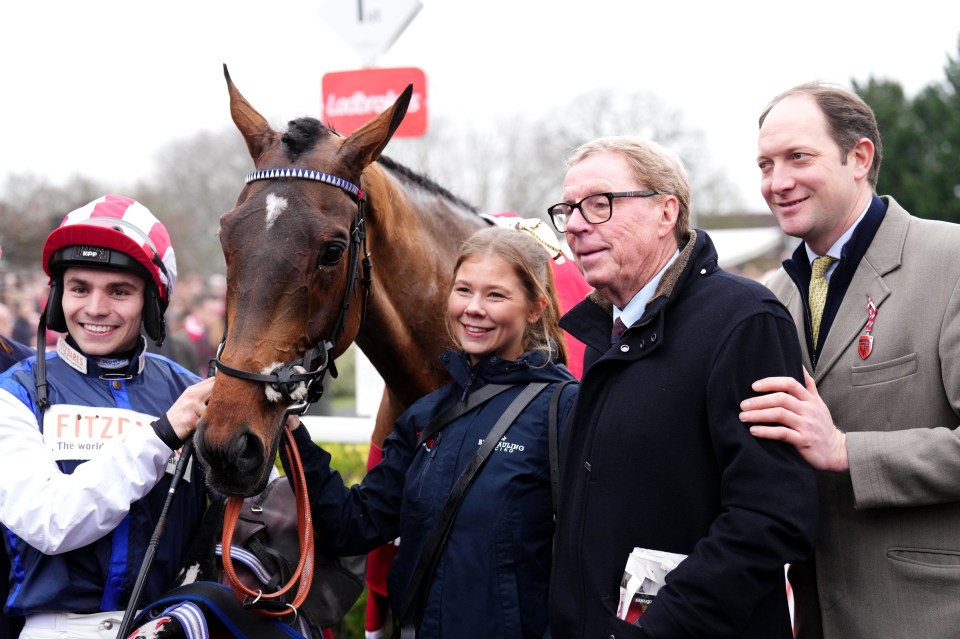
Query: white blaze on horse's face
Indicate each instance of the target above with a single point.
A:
(276, 205)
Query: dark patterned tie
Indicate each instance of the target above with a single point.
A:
(618, 329)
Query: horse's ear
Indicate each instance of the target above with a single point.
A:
(256, 131)
(366, 144)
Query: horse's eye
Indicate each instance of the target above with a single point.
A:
(331, 255)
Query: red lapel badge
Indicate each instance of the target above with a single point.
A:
(865, 345)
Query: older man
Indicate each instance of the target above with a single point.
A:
(656, 457)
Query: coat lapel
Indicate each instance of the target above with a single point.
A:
(883, 257)
(790, 297)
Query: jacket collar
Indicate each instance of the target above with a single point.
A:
(674, 273)
(494, 369)
(883, 256)
(68, 351)
(585, 321)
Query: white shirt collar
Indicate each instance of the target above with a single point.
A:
(837, 247)
(635, 307)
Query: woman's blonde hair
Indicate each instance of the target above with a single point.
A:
(532, 265)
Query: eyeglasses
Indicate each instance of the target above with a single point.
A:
(595, 209)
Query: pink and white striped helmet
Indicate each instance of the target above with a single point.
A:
(113, 232)
(120, 224)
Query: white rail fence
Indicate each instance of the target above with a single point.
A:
(352, 429)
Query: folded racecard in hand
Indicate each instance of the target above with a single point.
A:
(643, 576)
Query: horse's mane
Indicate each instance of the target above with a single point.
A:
(303, 134)
(423, 182)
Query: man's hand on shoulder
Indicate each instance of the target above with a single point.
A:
(799, 417)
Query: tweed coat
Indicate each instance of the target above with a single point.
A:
(887, 559)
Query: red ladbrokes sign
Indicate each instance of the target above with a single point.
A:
(351, 98)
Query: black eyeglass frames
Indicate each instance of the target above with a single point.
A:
(595, 209)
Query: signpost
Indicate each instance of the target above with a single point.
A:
(370, 26)
(351, 98)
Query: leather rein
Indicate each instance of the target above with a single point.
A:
(302, 577)
(301, 383)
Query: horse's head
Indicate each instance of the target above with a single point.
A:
(294, 247)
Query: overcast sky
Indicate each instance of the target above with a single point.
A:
(97, 87)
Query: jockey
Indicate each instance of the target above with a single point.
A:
(89, 433)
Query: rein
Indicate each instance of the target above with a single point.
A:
(271, 604)
(303, 381)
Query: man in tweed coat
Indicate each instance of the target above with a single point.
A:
(878, 413)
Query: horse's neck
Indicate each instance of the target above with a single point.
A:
(414, 237)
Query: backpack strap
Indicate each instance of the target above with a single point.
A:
(481, 396)
(427, 563)
(553, 437)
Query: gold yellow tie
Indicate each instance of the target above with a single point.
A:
(818, 292)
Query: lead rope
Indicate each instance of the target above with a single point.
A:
(303, 575)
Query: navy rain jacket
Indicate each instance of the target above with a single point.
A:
(493, 573)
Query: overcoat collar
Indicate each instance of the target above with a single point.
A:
(884, 256)
(591, 320)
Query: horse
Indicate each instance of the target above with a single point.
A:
(329, 243)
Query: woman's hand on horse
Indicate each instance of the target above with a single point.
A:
(189, 407)
(293, 422)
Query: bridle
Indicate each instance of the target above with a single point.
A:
(301, 381)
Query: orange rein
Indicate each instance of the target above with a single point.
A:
(303, 575)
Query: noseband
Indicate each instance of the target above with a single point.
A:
(301, 382)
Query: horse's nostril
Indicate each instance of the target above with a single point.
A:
(246, 452)
(240, 457)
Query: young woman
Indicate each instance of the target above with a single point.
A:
(490, 576)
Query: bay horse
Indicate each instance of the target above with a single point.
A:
(329, 243)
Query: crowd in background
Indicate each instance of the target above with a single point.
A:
(194, 318)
